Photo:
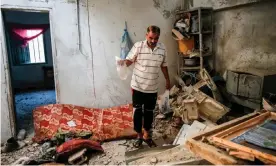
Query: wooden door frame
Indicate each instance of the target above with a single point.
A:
(6, 64)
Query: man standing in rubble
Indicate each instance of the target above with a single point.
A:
(148, 57)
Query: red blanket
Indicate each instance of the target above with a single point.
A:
(105, 124)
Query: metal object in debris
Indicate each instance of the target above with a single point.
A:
(78, 158)
(190, 62)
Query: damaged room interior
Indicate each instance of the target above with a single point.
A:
(149, 82)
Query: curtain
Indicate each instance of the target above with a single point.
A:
(23, 33)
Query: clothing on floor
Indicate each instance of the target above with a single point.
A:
(143, 107)
(62, 135)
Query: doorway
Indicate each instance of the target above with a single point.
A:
(30, 59)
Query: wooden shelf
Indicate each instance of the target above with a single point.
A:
(190, 68)
(207, 54)
(195, 10)
(205, 32)
(187, 56)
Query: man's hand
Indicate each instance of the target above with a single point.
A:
(121, 62)
(168, 84)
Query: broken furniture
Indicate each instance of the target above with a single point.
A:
(104, 124)
(191, 103)
(219, 147)
(201, 38)
(248, 88)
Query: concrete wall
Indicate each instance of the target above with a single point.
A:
(85, 64)
(6, 116)
(25, 76)
(244, 36)
(106, 23)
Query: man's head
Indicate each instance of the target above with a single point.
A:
(152, 36)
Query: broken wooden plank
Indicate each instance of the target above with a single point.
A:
(199, 84)
(242, 155)
(226, 125)
(243, 126)
(210, 153)
(195, 143)
(270, 159)
(273, 115)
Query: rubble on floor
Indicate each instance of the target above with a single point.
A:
(246, 140)
(164, 132)
(113, 154)
(190, 104)
(176, 154)
(189, 112)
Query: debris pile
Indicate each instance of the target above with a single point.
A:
(181, 113)
(191, 104)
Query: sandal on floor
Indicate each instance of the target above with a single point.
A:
(138, 143)
(12, 145)
(150, 143)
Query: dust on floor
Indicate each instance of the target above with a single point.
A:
(114, 151)
(26, 102)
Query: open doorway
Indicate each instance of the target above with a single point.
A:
(29, 51)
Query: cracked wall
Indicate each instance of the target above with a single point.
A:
(86, 75)
(244, 35)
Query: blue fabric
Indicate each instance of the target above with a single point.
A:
(126, 45)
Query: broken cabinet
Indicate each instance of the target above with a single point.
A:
(248, 89)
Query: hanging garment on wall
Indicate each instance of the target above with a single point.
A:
(126, 44)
